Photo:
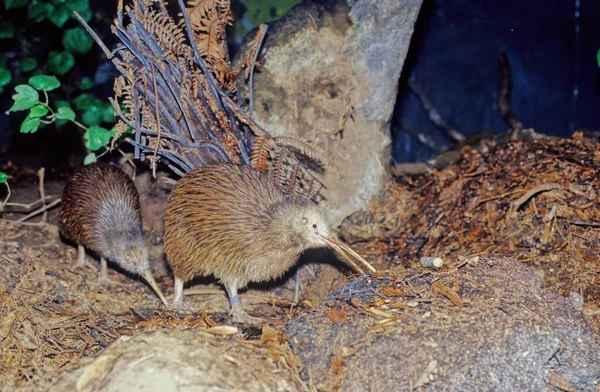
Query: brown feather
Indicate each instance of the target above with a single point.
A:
(100, 210)
(234, 223)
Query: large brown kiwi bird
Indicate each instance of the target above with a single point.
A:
(100, 211)
(234, 223)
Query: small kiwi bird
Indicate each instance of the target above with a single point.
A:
(100, 210)
(233, 222)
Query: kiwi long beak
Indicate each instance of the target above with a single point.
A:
(345, 251)
(150, 279)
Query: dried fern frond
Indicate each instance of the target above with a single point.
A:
(250, 54)
(175, 91)
(304, 146)
(259, 159)
(120, 128)
(209, 19)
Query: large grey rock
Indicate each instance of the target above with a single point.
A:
(317, 63)
(400, 331)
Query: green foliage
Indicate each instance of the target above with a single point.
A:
(27, 64)
(8, 4)
(65, 113)
(7, 29)
(97, 137)
(37, 11)
(5, 77)
(38, 111)
(95, 111)
(59, 104)
(25, 98)
(30, 125)
(261, 11)
(58, 15)
(77, 40)
(60, 62)
(598, 57)
(84, 101)
(38, 56)
(82, 7)
(86, 84)
(44, 82)
(3, 177)
(89, 158)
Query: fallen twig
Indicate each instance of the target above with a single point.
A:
(39, 211)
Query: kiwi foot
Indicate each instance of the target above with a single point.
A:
(81, 260)
(239, 315)
(104, 281)
(103, 278)
(182, 307)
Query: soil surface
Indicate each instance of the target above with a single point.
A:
(535, 202)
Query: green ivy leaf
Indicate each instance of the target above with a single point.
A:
(65, 113)
(9, 4)
(86, 83)
(78, 5)
(92, 116)
(38, 111)
(97, 137)
(58, 15)
(77, 40)
(3, 177)
(25, 98)
(30, 125)
(27, 64)
(89, 158)
(108, 114)
(38, 11)
(5, 76)
(84, 101)
(44, 82)
(86, 14)
(7, 29)
(61, 104)
(261, 11)
(60, 62)
(598, 57)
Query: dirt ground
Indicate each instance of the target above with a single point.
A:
(536, 201)
(53, 317)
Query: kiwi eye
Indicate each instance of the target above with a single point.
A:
(304, 221)
(314, 226)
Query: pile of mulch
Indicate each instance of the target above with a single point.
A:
(537, 201)
(53, 316)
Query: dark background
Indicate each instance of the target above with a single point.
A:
(454, 58)
(551, 46)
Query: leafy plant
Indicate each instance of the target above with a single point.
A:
(30, 71)
(261, 11)
(4, 180)
(95, 111)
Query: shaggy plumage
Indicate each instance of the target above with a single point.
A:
(234, 223)
(100, 210)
